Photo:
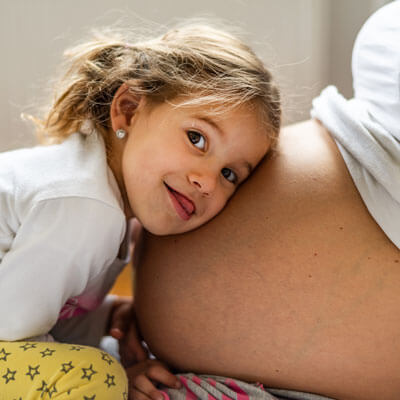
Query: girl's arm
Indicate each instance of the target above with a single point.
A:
(143, 373)
(61, 251)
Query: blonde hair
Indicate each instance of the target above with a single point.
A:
(205, 64)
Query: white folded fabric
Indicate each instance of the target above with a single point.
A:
(372, 156)
(376, 66)
(367, 127)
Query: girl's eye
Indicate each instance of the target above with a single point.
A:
(197, 139)
(229, 175)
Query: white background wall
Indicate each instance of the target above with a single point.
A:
(307, 42)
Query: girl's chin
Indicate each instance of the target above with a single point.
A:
(155, 228)
(158, 230)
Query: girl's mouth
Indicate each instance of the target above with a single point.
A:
(184, 207)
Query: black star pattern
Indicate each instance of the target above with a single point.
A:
(47, 352)
(28, 346)
(3, 355)
(110, 381)
(33, 371)
(51, 391)
(88, 372)
(89, 398)
(42, 389)
(66, 367)
(76, 348)
(9, 375)
(46, 389)
(106, 357)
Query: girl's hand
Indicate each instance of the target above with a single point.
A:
(123, 327)
(142, 375)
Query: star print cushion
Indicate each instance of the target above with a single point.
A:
(38, 370)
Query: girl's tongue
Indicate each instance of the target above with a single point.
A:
(185, 203)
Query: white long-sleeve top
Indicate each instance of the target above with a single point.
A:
(61, 228)
(371, 153)
(366, 128)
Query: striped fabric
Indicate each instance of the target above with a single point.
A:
(208, 387)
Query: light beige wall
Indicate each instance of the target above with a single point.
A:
(298, 37)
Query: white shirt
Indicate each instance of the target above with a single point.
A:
(376, 67)
(371, 153)
(61, 227)
(367, 127)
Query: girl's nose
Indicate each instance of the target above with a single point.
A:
(205, 183)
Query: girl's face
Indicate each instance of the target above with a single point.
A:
(180, 166)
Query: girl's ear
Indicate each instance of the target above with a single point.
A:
(123, 107)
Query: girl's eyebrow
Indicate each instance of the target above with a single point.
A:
(211, 122)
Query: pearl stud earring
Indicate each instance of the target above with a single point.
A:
(120, 133)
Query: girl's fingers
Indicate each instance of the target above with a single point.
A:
(116, 333)
(135, 394)
(134, 343)
(143, 385)
(131, 348)
(121, 318)
(159, 373)
(142, 377)
(123, 327)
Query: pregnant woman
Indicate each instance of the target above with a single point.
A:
(296, 284)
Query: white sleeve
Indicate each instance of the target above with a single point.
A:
(60, 246)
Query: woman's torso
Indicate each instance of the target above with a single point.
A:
(293, 285)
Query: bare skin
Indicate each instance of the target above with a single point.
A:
(293, 285)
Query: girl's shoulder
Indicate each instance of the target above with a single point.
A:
(76, 167)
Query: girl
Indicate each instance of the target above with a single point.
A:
(162, 130)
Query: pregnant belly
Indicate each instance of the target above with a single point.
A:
(286, 322)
